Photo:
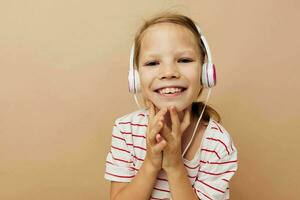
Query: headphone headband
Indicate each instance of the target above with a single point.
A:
(206, 46)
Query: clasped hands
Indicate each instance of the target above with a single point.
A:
(164, 142)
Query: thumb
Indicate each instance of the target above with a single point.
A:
(160, 146)
(158, 138)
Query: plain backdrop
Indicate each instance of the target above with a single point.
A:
(63, 82)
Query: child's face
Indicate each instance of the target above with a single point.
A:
(169, 58)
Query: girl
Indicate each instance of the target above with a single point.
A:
(162, 151)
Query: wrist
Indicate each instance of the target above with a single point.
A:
(150, 167)
(174, 168)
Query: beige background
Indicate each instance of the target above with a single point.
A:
(63, 82)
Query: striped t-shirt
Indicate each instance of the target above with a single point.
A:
(209, 171)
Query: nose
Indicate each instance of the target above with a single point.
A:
(168, 71)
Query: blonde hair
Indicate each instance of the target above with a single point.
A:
(176, 18)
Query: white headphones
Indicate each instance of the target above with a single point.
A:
(208, 77)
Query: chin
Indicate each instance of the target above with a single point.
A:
(179, 106)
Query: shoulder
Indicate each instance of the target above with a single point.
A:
(136, 118)
(219, 131)
(218, 139)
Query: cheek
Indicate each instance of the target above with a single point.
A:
(145, 80)
(193, 77)
(195, 83)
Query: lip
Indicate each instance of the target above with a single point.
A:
(171, 95)
(171, 86)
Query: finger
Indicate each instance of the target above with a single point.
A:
(160, 115)
(153, 132)
(158, 120)
(155, 126)
(175, 120)
(151, 111)
(166, 132)
(160, 146)
(186, 120)
(156, 109)
(158, 138)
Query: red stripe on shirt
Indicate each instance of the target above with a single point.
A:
(162, 179)
(215, 128)
(161, 189)
(192, 176)
(119, 138)
(211, 151)
(217, 140)
(133, 135)
(119, 175)
(138, 147)
(218, 127)
(158, 198)
(109, 162)
(121, 160)
(191, 167)
(133, 168)
(204, 194)
(217, 163)
(217, 174)
(221, 163)
(134, 146)
(120, 149)
(151, 198)
(132, 124)
(210, 186)
(140, 159)
(202, 161)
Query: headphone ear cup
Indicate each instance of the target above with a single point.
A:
(214, 77)
(137, 81)
(133, 81)
(204, 80)
(209, 76)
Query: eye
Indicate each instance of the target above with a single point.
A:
(152, 63)
(185, 60)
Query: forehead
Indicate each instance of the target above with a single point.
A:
(168, 36)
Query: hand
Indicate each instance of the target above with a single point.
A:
(172, 155)
(155, 143)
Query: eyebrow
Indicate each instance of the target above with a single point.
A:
(154, 54)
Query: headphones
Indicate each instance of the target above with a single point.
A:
(208, 76)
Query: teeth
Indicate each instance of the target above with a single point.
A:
(169, 90)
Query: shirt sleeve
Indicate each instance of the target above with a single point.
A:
(119, 161)
(213, 177)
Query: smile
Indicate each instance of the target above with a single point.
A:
(170, 91)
